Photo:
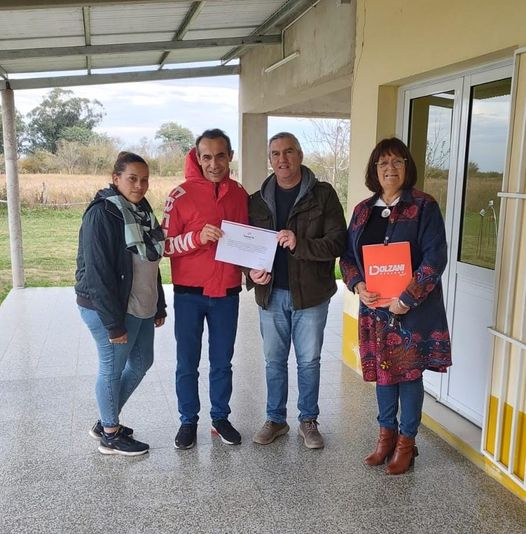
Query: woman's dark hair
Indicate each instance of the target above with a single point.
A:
(214, 133)
(396, 147)
(123, 159)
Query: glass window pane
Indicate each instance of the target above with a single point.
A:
(485, 159)
(430, 143)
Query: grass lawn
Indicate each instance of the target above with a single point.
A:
(50, 239)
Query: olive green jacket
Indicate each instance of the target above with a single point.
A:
(318, 222)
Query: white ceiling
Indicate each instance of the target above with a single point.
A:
(57, 37)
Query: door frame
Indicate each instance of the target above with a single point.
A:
(461, 83)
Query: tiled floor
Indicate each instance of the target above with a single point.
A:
(52, 479)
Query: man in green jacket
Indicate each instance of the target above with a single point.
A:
(294, 298)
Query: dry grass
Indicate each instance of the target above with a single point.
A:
(65, 190)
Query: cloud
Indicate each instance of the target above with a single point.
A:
(136, 110)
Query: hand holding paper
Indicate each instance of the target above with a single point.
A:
(247, 246)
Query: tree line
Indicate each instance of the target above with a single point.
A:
(59, 135)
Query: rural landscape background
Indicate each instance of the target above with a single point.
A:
(64, 159)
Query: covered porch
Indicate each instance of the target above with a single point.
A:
(53, 479)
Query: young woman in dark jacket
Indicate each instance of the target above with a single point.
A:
(120, 295)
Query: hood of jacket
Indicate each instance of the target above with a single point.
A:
(102, 195)
(110, 191)
(268, 188)
(192, 169)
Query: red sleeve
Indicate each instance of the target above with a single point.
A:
(178, 242)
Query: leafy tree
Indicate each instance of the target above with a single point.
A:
(173, 136)
(59, 111)
(473, 168)
(20, 129)
(78, 134)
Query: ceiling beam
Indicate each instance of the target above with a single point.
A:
(283, 11)
(191, 15)
(63, 51)
(120, 77)
(86, 18)
(35, 4)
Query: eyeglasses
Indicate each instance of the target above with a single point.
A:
(396, 163)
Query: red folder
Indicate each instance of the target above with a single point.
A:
(387, 269)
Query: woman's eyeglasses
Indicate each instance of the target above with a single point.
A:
(396, 163)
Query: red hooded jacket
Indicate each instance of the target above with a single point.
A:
(188, 208)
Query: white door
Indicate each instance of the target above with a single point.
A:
(457, 131)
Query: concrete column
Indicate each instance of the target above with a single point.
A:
(13, 189)
(253, 156)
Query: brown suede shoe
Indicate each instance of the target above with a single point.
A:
(312, 438)
(269, 432)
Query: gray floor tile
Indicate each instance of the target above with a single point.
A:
(53, 479)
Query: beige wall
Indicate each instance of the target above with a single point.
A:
(315, 84)
(408, 40)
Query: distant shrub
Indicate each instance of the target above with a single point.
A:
(40, 161)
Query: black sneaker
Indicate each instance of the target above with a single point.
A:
(185, 438)
(119, 443)
(96, 431)
(227, 433)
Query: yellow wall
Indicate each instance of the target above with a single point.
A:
(417, 40)
(409, 40)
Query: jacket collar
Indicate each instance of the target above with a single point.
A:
(268, 188)
(406, 197)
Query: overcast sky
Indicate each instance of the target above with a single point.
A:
(136, 110)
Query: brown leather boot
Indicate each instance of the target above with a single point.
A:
(403, 457)
(384, 447)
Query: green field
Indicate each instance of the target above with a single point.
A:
(50, 239)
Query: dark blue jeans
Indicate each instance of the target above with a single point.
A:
(411, 398)
(221, 314)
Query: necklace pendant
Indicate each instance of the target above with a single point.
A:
(385, 213)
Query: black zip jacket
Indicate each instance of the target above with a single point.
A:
(105, 267)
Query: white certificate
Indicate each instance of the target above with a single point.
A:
(247, 246)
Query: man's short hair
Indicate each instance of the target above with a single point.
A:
(285, 135)
(214, 133)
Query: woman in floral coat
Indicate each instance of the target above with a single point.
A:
(400, 341)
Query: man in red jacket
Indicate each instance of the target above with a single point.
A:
(203, 287)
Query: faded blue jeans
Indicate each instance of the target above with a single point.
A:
(410, 395)
(121, 367)
(280, 325)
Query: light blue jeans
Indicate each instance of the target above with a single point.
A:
(280, 325)
(121, 367)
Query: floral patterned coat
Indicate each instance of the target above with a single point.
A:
(395, 351)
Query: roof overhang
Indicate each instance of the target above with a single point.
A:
(50, 43)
